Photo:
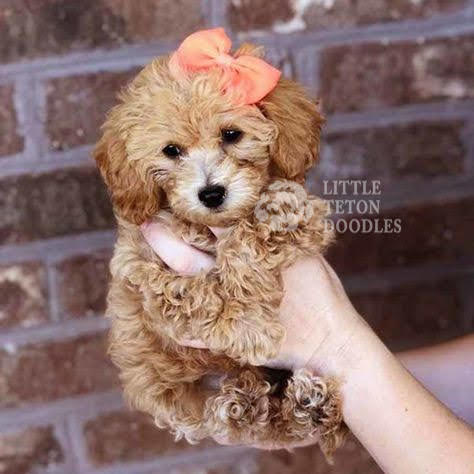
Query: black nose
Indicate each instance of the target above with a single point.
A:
(212, 196)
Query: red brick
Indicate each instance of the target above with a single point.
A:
(418, 313)
(438, 232)
(53, 204)
(425, 149)
(23, 295)
(44, 372)
(32, 450)
(122, 436)
(259, 14)
(82, 284)
(37, 28)
(76, 106)
(11, 141)
(318, 15)
(368, 76)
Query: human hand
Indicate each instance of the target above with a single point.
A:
(386, 409)
(315, 311)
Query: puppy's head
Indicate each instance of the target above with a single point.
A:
(186, 146)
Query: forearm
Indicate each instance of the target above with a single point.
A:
(447, 371)
(399, 422)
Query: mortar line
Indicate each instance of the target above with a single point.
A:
(16, 165)
(467, 136)
(403, 194)
(78, 446)
(41, 116)
(166, 462)
(218, 15)
(55, 411)
(410, 193)
(385, 116)
(24, 105)
(459, 24)
(53, 297)
(60, 331)
(77, 420)
(86, 61)
(307, 71)
(57, 248)
(392, 278)
(429, 112)
(61, 433)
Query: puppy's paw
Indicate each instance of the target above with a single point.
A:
(283, 207)
(311, 406)
(242, 408)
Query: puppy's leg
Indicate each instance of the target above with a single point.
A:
(291, 223)
(241, 412)
(158, 378)
(216, 308)
(311, 406)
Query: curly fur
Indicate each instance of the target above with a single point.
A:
(234, 307)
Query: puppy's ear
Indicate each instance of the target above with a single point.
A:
(135, 197)
(299, 123)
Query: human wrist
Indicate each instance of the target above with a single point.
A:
(345, 348)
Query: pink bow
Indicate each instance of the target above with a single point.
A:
(248, 77)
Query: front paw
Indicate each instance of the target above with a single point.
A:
(312, 406)
(283, 207)
(241, 410)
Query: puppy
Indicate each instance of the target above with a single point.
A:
(184, 146)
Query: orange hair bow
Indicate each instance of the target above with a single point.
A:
(248, 77)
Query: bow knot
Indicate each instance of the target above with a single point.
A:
(224, 59)
(247, 77)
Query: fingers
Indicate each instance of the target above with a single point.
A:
(176, 253)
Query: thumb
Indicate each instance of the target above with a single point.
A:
(175, 252)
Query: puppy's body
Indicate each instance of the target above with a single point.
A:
(249, 184)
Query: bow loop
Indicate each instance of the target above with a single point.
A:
(248, 78)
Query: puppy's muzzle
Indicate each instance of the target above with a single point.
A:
(212, 196)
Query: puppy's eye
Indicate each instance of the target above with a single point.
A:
(231, 135)
(172, 151)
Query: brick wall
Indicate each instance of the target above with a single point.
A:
(396, 78)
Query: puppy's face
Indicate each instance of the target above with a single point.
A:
(187, 147)
(209, 158)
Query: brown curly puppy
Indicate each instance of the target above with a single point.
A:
(184, 149)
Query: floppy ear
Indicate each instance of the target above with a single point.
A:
(134, 194)
(134, 197)
(299, 125)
